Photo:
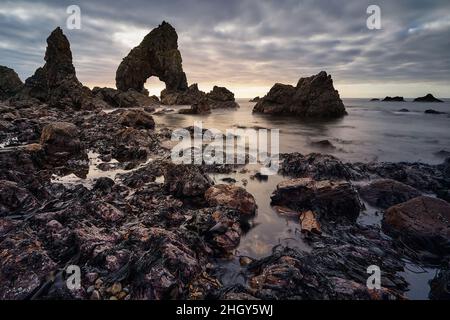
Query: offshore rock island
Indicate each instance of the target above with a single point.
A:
(86, 179)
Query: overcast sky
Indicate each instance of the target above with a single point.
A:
(248, 45)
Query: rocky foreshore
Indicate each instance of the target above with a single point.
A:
(142, 227)
(157, 230)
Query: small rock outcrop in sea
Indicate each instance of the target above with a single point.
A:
(431, 111)
(428, 98)
(201, 107)
(325, 144)
(10, 83)
(157, 55)
(403, 110)
(186, 97)
(394, 99)
(221, 97)
(56, 82)
(421, 223)
(375, 99)
(385, 193)
(313, 97)
(120, 99)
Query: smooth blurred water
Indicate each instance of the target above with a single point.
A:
(371, 131)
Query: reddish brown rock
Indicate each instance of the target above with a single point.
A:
(330, 200)
(423, 222)
(386, 193)
(60, 141)
(309, 222)
(137, 119)
(231, 197)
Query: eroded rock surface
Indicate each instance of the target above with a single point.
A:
(60, 142)
(190, 96)
(231, 197)
(56, 82)
(315, 165)
(422, 222)
(221, 97)
(10, 83)
(186, 180)
(128, 99)
(157, 55)
(385, 193)
(333, 201)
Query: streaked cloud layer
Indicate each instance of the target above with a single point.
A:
(249, 45)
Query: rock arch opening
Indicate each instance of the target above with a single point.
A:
(156, 56)
(154, 86)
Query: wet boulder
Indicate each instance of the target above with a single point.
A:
(332, 201)
(422, 223)
(138, 119)
(424, 177)
(315, 165)
(313, 97)
(334, 272)
(167, 265)
(231, 197)
(60, 141)
(385, 193)
(186, 180)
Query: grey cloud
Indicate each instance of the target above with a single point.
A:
(248, 42)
